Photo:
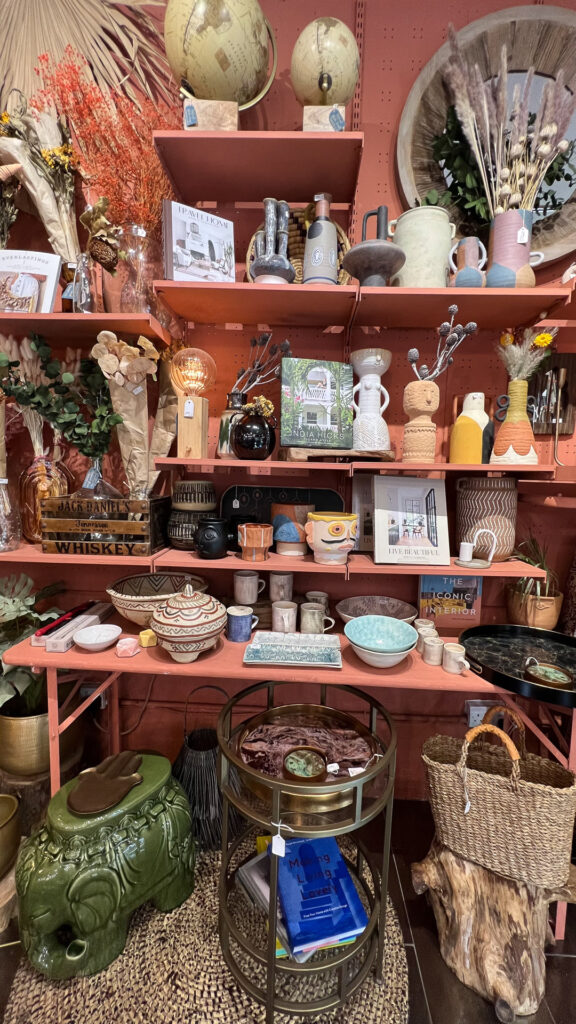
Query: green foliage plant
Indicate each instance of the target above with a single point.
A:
(535, 554)
(20, 616)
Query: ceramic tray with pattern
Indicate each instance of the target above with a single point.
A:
(241, 501)
(499, 653)
(304, 649)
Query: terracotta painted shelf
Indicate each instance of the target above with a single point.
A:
(27, 554)
(243, 167)
(224, 662)
(365, 564)
(82, 328)
(172, 558)
(265, 467)
(295, 305)
(449, 467)
(491, 308)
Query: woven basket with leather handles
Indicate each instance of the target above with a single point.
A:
(300, 218)
(512, 814)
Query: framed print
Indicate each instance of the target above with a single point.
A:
(410, 521)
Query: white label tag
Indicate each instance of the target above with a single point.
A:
(355, 771)
(332, 767)
(235, 503)
(189, 409)
(138, 390)
(523, 236)
(278, 845)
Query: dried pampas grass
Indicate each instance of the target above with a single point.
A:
(118, 38)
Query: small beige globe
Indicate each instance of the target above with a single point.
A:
(220, 48)
(325, 47)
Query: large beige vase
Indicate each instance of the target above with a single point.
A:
(425, 234)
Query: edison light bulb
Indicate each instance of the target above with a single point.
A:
(193, 371)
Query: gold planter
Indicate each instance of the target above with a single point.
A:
(24, 748)
(538, 612)
(9, 831)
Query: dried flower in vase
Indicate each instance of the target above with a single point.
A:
(522, 354)
(450, 336)
(102, 245)
(264, 365)
(259, 406)
(9, 186)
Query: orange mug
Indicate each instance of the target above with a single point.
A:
(255, 540)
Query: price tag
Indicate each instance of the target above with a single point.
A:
(522, 236)
(138, 390)
(235, 503)
(355, 771)
(190, 115)
(189, 409)
(278, 845)
(332, 768)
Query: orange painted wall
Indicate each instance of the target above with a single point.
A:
(397, 40)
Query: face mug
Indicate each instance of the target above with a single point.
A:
(453, 659)
(422, 634)
(313, 617)
(281, 585)
(433, 650)
(284, 616)
(318, 597)
(247, 586)
(241, 622)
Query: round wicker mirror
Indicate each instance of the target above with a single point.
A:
(544, 37)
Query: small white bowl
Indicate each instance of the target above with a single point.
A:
(380, 660)
(97, 638)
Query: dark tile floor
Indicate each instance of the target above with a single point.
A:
(436, 995)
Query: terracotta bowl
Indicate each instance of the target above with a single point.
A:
(138, 597)
(376, 604)
(9, 831)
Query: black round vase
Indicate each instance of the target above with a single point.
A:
(213, 537)
(252, 437)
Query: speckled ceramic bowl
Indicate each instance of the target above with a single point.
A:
(381, 634)
(138, 597)
(376, 604)
(377, 659)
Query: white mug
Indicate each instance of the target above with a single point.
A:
(284, 616)
(247, 586)
(313, 617)
(281, 584)
(466, 552)
(422, 634)
(318, 597)
(433, 650)
(453, 659)
(422, 623)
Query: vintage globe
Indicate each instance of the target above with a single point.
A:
(220, 47)
(325, 63)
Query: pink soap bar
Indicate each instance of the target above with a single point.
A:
(127, 647)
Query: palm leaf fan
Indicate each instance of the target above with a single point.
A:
(119, 39)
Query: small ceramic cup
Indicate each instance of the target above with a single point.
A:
(247, 586)
(423, 623)
(433, 650)
(284, 616)
(453, 659)
(281, 586)
(240, 623)
(313, 617)
(255, 540)
(422, 634)
(318, 597)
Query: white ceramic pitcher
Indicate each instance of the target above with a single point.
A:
(425, 234)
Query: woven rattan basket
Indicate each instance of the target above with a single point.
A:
(300, 218)
(513, 815)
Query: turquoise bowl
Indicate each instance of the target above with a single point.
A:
(381, 633)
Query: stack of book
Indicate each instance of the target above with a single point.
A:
(318, 903)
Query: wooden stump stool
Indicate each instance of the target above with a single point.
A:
(492, 930)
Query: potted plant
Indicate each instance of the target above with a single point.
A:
(24, 748)
(534, 602)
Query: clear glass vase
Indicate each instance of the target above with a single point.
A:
(43, 478)
(84, 288)
(10, 525)
(142, 266)
(94, 484)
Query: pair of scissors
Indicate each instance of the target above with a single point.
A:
(503, 402)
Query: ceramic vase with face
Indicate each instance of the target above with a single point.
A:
(331, 535)
(369, 430)
(421, 400)
(289, 522)
(212, 537)
(255, 540)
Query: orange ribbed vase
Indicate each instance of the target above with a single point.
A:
(515, 440)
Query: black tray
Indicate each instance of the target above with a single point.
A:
(498, 654)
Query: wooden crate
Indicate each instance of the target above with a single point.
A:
(105, 526)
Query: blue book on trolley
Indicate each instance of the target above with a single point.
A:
(319, 899)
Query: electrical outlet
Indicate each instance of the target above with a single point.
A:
(476, 709)
(87, 691)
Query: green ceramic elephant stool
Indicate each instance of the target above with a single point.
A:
(80, 878)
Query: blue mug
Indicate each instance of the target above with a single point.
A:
(241, 622)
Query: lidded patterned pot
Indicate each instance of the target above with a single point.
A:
(189, 623)
(487, 503)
